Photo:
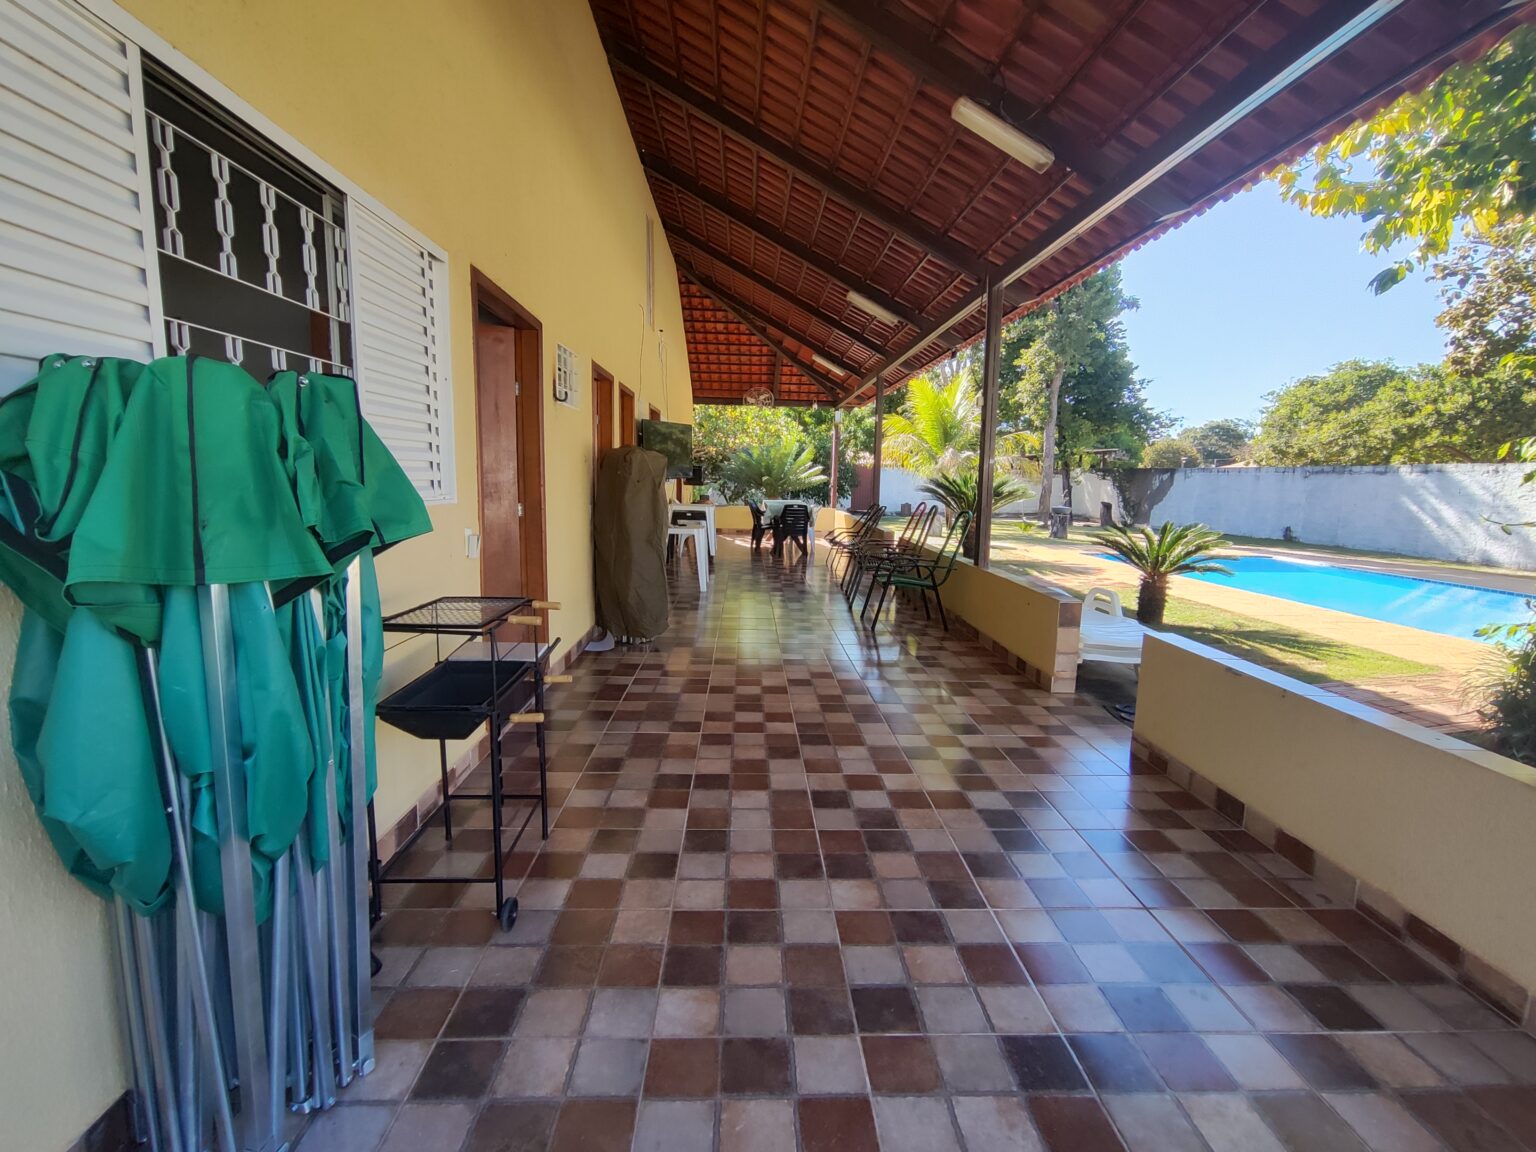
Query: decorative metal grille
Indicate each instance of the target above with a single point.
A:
(210, 233)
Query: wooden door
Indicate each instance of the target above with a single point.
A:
(602, 416)
(628, 430)
(501, 510)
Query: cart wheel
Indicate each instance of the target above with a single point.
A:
(375, 965)
(507, 913)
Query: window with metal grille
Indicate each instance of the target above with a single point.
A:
(263, 263)
(252, 248)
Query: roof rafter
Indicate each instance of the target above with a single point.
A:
(861, 200)
(755, 224)
(742, 313)
(936, 65)
(752, 276)
(758, 317)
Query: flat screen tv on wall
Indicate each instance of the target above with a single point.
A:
(674, 441)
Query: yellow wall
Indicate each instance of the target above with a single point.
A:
(1441, 827)
(493, 127)
(1034, 621)
(61, 1060)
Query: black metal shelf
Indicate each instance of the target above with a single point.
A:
(484, 681)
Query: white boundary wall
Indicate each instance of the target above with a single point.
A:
(1435, 511)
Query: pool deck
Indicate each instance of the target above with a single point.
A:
(1436, 700)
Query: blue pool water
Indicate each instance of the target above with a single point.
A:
(1451, 609)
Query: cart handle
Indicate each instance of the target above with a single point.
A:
(526, 718)
(546, 604)
(557, 678)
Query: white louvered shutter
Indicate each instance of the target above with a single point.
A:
(401, 349)
(77, 251)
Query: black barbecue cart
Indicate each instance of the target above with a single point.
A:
(484, 680)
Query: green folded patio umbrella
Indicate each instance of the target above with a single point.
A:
(123, 487)
(84, 746)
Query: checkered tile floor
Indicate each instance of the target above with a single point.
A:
(812, 887)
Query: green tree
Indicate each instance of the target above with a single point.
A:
(1488, 284)
(1171, 452)
(720, 431)
(774, 470)
(937, 426)
(1219, 441)
(1373, 412)
(1072, 381)
(1460, 151)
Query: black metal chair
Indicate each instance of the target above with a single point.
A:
(759, 525)
(840, 538)
(864, 533)
(922, 574)
(913, 538)
(793, 523)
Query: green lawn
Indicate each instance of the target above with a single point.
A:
(1308, 657)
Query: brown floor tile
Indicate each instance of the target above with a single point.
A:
(683, 1068)
(415, 1013)
(754, 1066)
(885, 1009)
(1073, 1124)
(458, 1069)
(901, 1064)
(594, 1126)
(837, 1124)
(513, 1127)
(692, 967)
(484, 1012)
(820, 1012)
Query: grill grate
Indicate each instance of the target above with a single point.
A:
(456, 614)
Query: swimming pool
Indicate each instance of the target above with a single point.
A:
(1435, 606)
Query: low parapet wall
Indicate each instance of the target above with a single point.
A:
(1429, 833)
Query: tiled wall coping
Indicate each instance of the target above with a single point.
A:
(1428, 833)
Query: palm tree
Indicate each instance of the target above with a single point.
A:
(937, 431)
(772, 470)
(957, 491)
(1173, 550)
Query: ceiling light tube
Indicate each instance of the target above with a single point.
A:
(997, 131)
(829, 365)
(864, 304)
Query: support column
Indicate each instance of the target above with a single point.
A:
(837, 428)
(874, 497)
(989, 385)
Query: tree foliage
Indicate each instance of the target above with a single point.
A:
(1100, 402)
(721, 431)
(1219, 441)
(1461, 151)
(773, 470)
(936, 427)
(1171, 452)
(1488, 284)
(1374, 412)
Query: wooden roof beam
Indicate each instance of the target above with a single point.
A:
(831, 387)
(743, 309)
(861, 200)
(911, 46)
(807, 255)
(751, 276)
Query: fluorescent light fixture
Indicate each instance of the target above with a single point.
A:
(998, 132)
(830, 365)
(864, 304)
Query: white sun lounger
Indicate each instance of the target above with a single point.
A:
(1108, 635)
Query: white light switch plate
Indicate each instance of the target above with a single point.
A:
(471, 543)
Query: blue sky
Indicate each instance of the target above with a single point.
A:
(1255, 294)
